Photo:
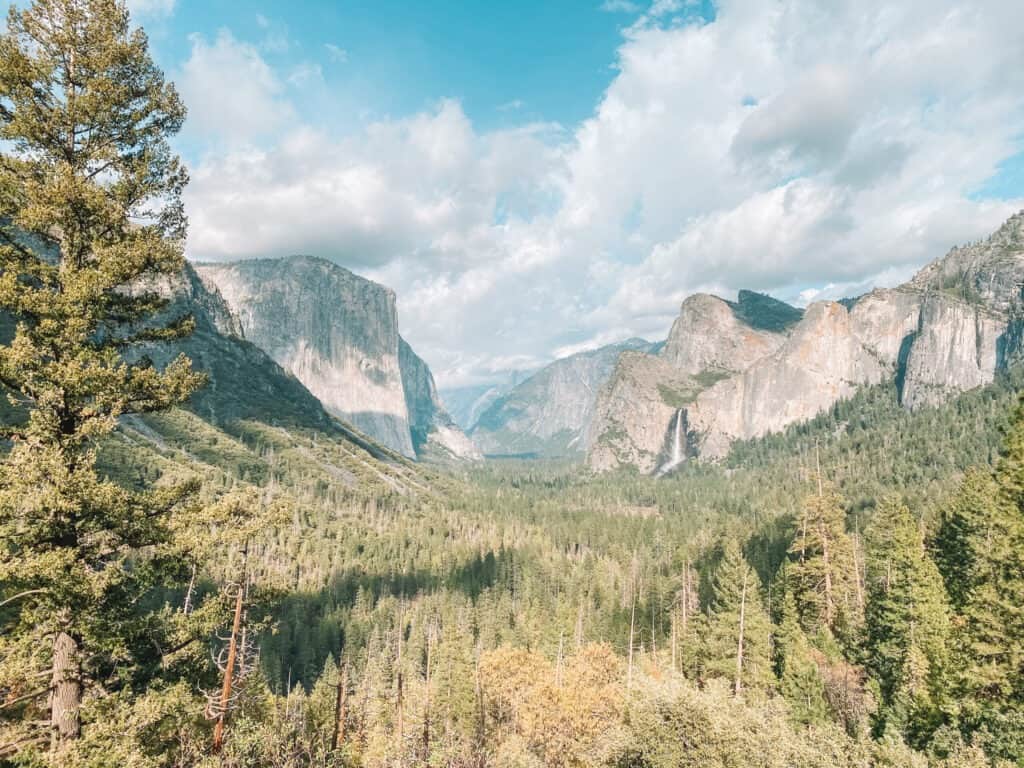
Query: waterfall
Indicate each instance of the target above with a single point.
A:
(677, 454)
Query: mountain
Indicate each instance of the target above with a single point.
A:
(466, 404)
(433, 431)
(253, 421)
(739, 370)
(338, 334)
(640, 409)
(549, 414)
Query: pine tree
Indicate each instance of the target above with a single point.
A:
(982, 557)
(799, 679)
(738, 636)
(90, 214)
(822, 571)
(907, 623)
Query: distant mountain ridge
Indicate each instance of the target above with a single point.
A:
(550, 412)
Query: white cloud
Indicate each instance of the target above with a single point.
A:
(790, 146)
(336, 53)
(231, 92)
(620, 6)
(150, 8)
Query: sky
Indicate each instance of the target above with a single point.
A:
(537, 178)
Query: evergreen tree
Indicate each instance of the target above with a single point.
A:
(965, 525)
(90, 214)
(982, 553)
(738, 636)
(799, 679)
(823, 575)
(907, 622)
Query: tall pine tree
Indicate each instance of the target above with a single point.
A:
(90, 212)
(907, 624)
(981, 542)
(823, 573)
(737, 643)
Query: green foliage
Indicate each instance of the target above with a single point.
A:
(822, 573)
(90, 221)
(800, 680)
(737, 645)
(981, 542)
(907, 625)
(758, 310)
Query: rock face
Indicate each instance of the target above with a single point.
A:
(958, 346)
(826, 357)
(970, 319)
(648, 397)
(338, 334)
(550, 413)
(244, 382)
(643, 395)
(432, 429)
(737, 370)
(712, 334)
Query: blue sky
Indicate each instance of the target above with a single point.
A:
(505, 61)
(535, 178)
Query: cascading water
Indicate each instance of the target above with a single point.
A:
(676, 456)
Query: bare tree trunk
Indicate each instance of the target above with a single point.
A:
(426, 702)
(400, 703)
(632, 624)
(340, 707)
(229, 671)
(187, 608)
(65, 691)
(738, 686)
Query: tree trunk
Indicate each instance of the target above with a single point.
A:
(339, 707)
(632, 624)
(229, 671)
(65, 691)
(738, 685)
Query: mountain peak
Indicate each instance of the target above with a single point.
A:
(989, 272)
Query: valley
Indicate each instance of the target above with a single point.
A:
(386, 412)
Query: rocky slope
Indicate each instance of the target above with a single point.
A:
(550, 413)
(737, 370)
(433, 431)
(338, 334)
(250, 404)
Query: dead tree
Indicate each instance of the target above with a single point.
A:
(340, 707)
(235, 664)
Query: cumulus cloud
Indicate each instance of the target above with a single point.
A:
(231, 92)
(795, 147)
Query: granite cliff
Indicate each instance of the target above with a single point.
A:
(338, 334)
(737, 370)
